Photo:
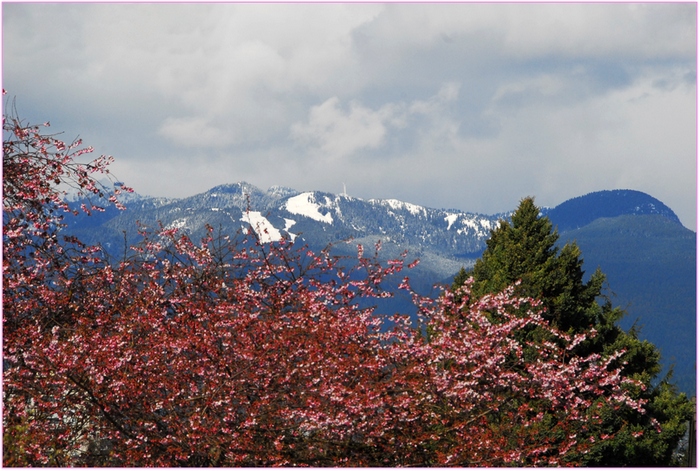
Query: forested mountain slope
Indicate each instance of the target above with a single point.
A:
(650, 264)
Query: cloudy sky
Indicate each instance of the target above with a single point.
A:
(463, 106)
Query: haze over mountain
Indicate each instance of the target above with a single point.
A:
(647, 254)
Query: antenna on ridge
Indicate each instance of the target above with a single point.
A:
(345, 193)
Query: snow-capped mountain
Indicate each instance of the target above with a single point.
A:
(444, 239)
(453, 238)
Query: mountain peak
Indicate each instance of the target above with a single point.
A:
(582, 210)
(280, 192)
(236, 188)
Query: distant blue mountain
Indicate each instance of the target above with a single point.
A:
(583, 210)
(649, 259)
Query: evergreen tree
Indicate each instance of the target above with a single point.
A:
(524, 251)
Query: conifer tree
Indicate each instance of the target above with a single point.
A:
(524, 251)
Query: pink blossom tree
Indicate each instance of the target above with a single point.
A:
(231, 352)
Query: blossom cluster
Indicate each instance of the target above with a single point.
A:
(234, 352)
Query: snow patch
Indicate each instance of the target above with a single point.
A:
(451, 218)
(470, 223)
(411, 208)
(177, 224)
(288, 223)
(305, 205)
(485, 223)
(265, 230)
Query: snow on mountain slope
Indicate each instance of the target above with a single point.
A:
(451, 218)
(263, 228)
(481, 226)
(305, 204)
(401, 205)
(317, 218)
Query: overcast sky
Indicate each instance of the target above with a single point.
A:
(455, 106)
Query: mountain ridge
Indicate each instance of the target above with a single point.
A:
(320, 218)
(580, 211)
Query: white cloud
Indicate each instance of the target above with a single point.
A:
(579, 30)
(338, 134)
(448, 92)
(527, 30)
(194, 132)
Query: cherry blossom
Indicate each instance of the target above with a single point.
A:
(233, 352)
